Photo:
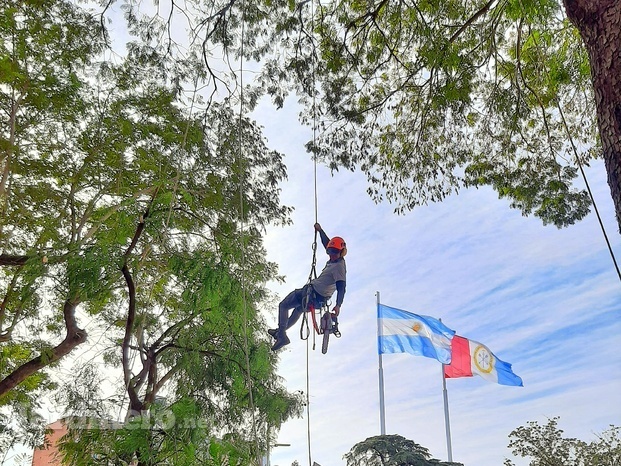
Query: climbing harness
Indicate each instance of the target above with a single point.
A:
(317, 306)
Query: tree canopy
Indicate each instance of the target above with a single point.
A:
(391, 450)
(545, 445)
(429, 97)
(132, 213)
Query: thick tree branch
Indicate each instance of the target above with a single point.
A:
(13, 259)
(75, 336)
(586, 12)
(149, 397)
(130, 384)
(599, 23)
(134, 401)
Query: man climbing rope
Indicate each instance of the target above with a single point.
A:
(319, 289)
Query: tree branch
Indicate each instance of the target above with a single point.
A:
(130, 385)
(13, 259)
(484, 9)
(75, 336)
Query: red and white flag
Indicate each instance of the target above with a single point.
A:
(469, 358)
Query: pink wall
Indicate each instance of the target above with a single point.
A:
(47, 454)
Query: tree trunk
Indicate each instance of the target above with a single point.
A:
(599, 23)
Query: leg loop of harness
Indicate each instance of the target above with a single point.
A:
(306, 303)
(304, 328)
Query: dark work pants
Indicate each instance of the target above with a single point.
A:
(292, 301)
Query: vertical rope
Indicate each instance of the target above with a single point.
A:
(313, 77)
(599, 218)
(313, 270)
(308, 423)
(242, 230)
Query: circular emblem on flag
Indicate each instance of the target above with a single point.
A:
(483, 359)
(416, 327)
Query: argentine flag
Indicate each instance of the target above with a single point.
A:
(403, 332)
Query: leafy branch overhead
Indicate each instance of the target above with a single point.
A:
(430, 97)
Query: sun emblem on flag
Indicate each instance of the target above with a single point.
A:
(483, 359)
(416, 327)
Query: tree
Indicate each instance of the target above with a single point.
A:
(40, 101)
(133, 206)
(428, 97)
(546, 446)
(391, 450)
(599, 23)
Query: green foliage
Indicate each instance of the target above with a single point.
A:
(391, 450)
(123, 191)
(539, 186)
(545, 445)
(21, 426)
(179, 434)
(429, 97)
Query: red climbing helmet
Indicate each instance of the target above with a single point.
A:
(337, 243)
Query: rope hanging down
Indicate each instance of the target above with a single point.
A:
(599, 218)
(240, 165)
(313, 271)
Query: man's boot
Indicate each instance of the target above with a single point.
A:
(281, 340)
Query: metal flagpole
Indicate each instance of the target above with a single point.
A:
(447, 424)
(381, 373)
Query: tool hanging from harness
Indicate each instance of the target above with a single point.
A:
(313, 301)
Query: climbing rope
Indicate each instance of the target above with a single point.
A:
(242, 229)
(599, 218)
(314, 262)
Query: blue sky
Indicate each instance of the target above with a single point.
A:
(545, 300)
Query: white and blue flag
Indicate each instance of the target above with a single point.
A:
(404, 332)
